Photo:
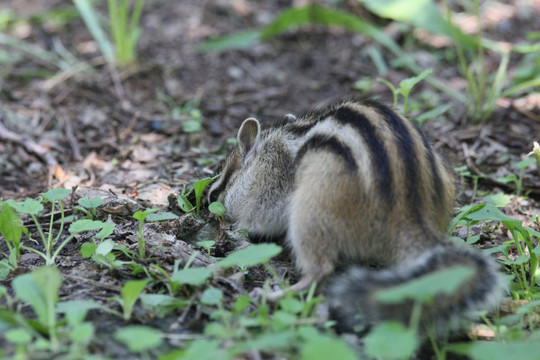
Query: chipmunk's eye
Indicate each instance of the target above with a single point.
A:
(213, 196)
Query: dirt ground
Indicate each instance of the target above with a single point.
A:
(120, 131)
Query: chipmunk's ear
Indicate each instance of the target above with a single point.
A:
(248, 134)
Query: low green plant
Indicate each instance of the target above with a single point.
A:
(521, 166)
(482, 90)
(40, 290)
(103, 254)
(139, 338)
(49, 241)
(250, 325)
(464, 172)
(89, 206)
(162, 305)
(148, 215)
(125, 30)
(405, 87)
(218, 209)
(480, 350)
(434, 113)
(130, 293)
(523, 238)
(141, 243)
(526, 77)
(11, 228)
(198, 188)
(191, 117)
(79, 332)
(207, 245)
(47, 333)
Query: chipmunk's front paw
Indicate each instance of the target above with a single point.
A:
(258, 294)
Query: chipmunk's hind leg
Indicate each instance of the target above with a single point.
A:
(317, 224)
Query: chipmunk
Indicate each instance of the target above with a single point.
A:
(354, 183)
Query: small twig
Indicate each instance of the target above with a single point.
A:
(32, 147)
(92, 282)
(118, 88)
(470, 163)
(64, 75)
(184, 314)
(184, 336)
(72, 140)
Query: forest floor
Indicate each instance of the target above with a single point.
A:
(67, 120)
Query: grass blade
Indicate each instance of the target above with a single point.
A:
(90, 19)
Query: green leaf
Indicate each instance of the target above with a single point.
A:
(268, 342)
(82, 333)
(508, 178)
(403, 341)
(253, 255)
(525, 163)
(184, 203)
(5, 269)
(29, 206)
(76, 310)
(162, 216)
(217, 208)
(87, 225)
(481, 350)
(191, 126)
(88, 249)
(105, 247)
(323, 347)
(141, 215)
(161, 304)
(241, 304)
(108, 229)
(202, 349)
(206, 244)
(139, 338)
(90, 18)
(421, 13)
(522, 259)
(282, 320)
(40, 289)
(130, 293)
(426, 287)
(56, 194)
(408, 84)
(491, 213)
(499, 200)
(212, 296)
(18, 336)
(433, 113)
(199, 187)
(320, 15)
(192, 276)
(291, 305)
(90, 203)
(11, 225)
(240, 40)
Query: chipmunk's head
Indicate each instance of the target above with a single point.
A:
(236, 181)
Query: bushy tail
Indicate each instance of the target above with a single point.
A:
(354, 299)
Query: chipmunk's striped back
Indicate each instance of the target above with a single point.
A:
(352, 183)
